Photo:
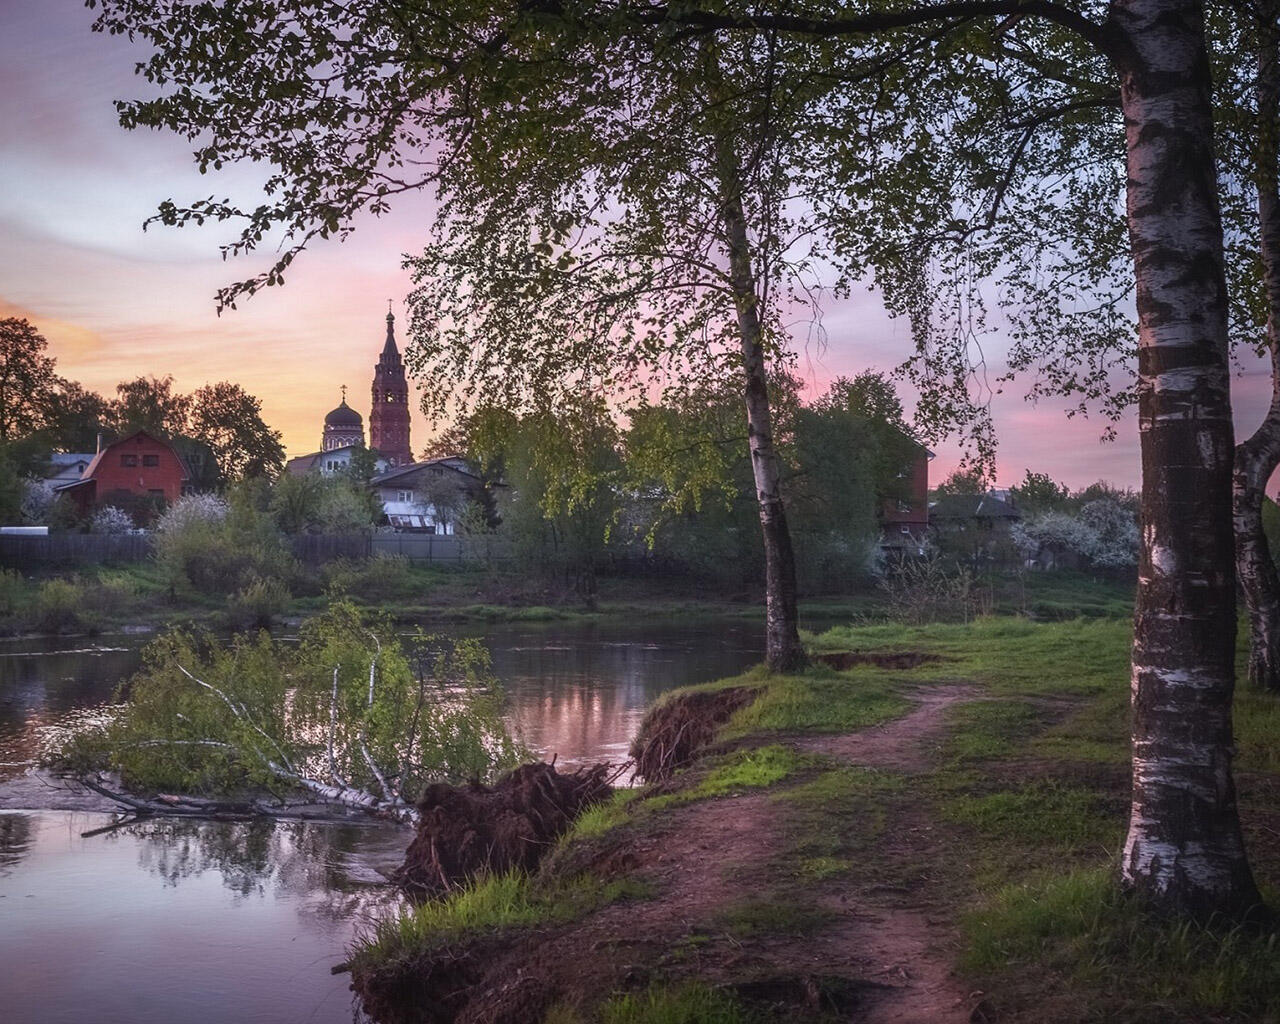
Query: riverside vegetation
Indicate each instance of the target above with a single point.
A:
(932, 834)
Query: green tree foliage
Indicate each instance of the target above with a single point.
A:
(76, 419)
(562, 471)
(322, 503)
(963, 482)
(150, 404)
(351, 712)
(689, 477)
(1039, 493)
(28, 384)
(229, 420)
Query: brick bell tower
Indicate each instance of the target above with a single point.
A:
(389, 415)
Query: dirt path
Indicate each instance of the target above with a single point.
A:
(717, 854)
(903, 744)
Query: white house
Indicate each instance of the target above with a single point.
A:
(67, 467)
(427, 497)
(335, 460)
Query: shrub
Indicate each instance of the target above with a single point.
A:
(14, 592)
(928, 590)
(381, 578)
(59, 606)
(191, 509)
(258, 604)
(111, 520)
(216, 547)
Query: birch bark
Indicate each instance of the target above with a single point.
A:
(1256, 457)
(784, 652)
(1184, 852)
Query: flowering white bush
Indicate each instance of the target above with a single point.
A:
(1103, 533)
(38, 497)
(110, 519)
(191, 509)
(1116, 531)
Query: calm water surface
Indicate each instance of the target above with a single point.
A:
(171, 921)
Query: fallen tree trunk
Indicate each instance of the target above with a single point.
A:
(183, 806)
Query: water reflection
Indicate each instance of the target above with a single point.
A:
(15, 840)
(45, 679)
(172, 921)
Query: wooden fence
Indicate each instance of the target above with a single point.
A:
(70, 549)
(66, 549)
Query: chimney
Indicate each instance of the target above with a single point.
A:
(99, 442)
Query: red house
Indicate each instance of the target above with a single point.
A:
(904, 516)
(138, 473)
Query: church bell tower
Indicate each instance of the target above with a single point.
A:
(389, 416)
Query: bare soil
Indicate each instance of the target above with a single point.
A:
(904, 744)
(857, 956)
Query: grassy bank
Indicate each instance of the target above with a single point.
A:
(106, 597)
(978, 796)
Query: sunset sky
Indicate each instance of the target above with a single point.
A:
(116, 303)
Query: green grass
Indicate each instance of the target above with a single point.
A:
(689, 1003)
(833, 821)
(1076, 941)
(820, 700)
(987, 729)
(1007, 656)
(721, 775)
(487, 905)
(603, 817)
(1038, 814)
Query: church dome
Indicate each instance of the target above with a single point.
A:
(344, 416)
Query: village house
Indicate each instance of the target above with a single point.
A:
(427, 497)
(334, 460)
(140, 474)
(66, 467)
(904, 514)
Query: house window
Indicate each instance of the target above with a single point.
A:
(404, 496)
(904, 506)
(128, 460)
(151, 460)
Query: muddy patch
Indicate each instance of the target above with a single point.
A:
(675, 731)
(842, 660)
(467, 831)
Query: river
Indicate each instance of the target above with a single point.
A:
(166, 921)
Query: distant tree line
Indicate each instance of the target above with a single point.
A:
(669, 485)
(217, 429)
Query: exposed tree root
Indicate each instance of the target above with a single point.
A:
(466, 831)
(674, 731)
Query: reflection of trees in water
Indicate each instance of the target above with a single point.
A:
(330, 870)
(15, 840)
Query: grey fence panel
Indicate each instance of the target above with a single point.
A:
(318, 548)
(73, 549)
(442, 549)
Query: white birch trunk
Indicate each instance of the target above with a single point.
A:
(1184, 852)
(784, 651)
